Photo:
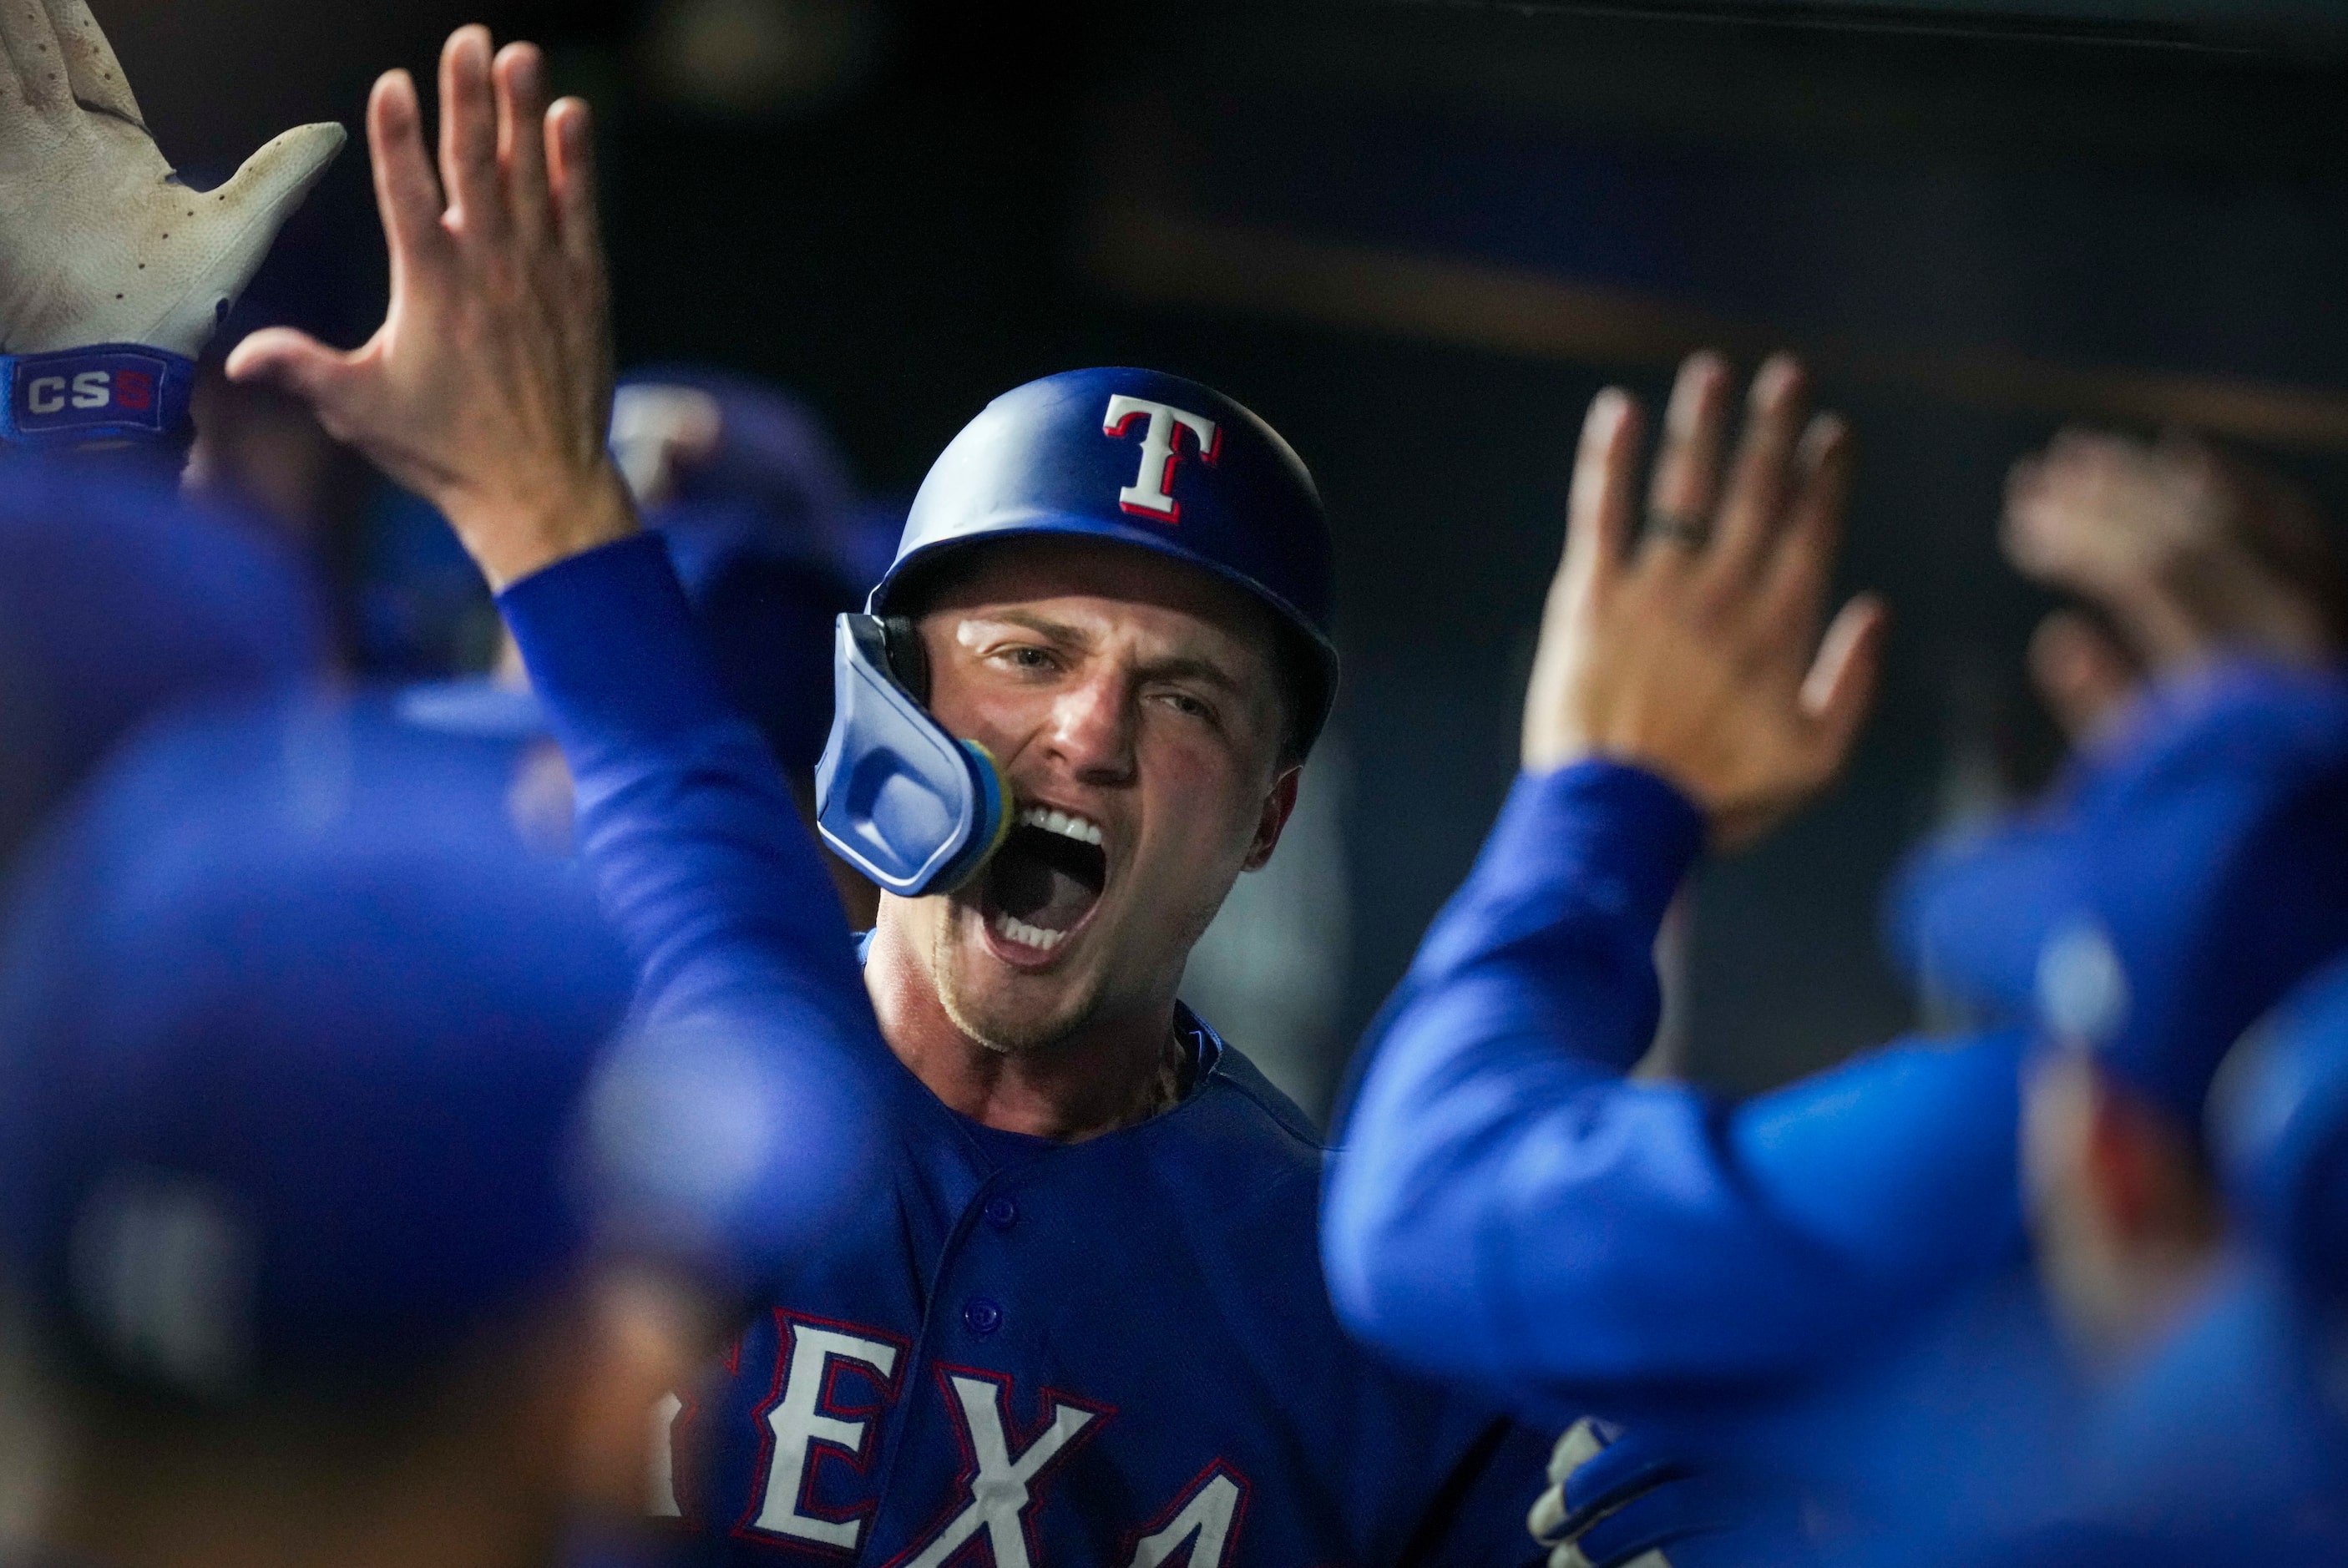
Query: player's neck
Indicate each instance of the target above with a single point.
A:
(1111, 1073)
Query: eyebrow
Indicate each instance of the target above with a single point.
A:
(1044, 626)
(1192, 669)
(1178, 667)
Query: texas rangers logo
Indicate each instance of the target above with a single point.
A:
(1151, 494)
(814, 1490)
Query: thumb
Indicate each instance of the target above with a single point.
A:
(296, 364)
(230, 231)
(280, 174)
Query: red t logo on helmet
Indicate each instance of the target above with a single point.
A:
(1151, 494)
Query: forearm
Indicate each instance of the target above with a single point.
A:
(683, 819)
(1508, 1208)
(1535, 986)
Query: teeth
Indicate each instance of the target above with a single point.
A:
(1061, 822)
(1028, 935)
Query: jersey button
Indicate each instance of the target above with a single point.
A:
(1001, 1212)
(980, 1316)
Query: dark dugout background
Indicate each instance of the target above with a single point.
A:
(1417, 237)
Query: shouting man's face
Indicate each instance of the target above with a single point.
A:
(1135, 706)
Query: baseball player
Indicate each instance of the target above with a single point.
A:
(1512, 1207)
(337, 1221)
(1081, 1318)
(2181, 1413)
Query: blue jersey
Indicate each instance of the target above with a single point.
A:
(1512, 1208)
(1016, 1351)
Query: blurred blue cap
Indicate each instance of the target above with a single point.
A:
(307, 1066)
(765, 530)
(292, 1035)
(2189, 872)
(119, 599)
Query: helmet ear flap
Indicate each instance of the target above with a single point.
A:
(899, 797)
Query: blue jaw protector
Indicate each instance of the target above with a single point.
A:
(898, 798)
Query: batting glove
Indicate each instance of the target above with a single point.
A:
(112, 274)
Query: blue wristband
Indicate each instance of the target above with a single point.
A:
(106, 393)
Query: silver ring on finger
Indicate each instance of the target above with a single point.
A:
(1674, 528)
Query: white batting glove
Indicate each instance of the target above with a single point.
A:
(113, 274)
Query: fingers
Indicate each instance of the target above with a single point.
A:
(1605, 473)
(2083, 675)
(519, 77)
(294, 364)
(1804, 560)
(1840, 686)
(30, 43)
(406, 193)
(1759, 480)
(469, 134)
(571, 150)
(92, 73)
(1686, 486)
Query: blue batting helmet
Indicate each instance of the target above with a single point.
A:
(1144, 459)
(1135, 457)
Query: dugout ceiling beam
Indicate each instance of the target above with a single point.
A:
(2032, 225)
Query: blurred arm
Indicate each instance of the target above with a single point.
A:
(681, 817)
(1508, 1208)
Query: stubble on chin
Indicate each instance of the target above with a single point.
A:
(1006, 1037)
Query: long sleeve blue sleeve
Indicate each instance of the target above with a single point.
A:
(682, 818)
(1509, 1207)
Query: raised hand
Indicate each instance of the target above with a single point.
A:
(2190, 556)
(99, 243)
(1690, 643)
(488, 389)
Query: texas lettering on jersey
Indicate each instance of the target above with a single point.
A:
(814, 1487)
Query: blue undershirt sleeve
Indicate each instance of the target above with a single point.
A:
(681, 814)
(1509, 1207)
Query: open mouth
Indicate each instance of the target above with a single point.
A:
(1045, 880)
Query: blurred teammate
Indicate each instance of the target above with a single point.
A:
(2192, 1248)
(2195, 872)
(2218, 1429)
(116, 603)
(1081, 1319)
(769, 543)
(335, 1229)
(1513, 1210)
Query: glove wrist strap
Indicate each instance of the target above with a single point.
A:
(106, 393)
